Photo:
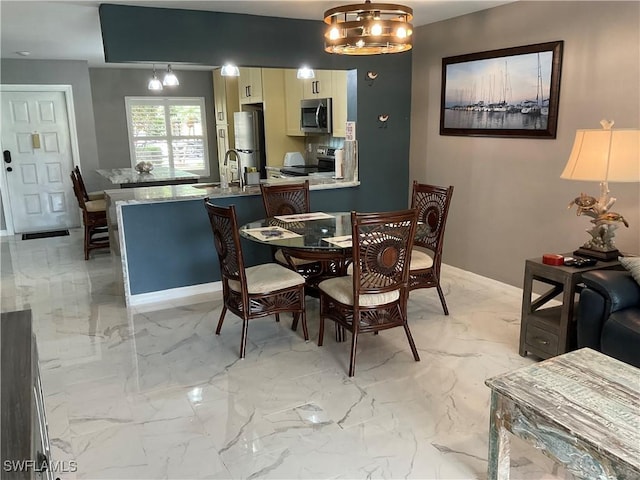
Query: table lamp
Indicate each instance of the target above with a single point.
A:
(605, 155)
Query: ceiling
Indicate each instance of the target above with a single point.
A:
(70, 30)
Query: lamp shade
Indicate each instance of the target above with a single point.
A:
(605, 156)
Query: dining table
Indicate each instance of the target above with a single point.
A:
(321, 237)
(324, 237)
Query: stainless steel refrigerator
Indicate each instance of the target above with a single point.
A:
(249, 140)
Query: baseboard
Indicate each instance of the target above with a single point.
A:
(175, 294)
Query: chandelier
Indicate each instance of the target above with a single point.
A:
(368, 29)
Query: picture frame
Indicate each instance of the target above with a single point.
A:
(510, 92)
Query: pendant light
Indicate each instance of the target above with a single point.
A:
(305, 72)
(368, 29)
(229, 70)
(155, 83)
(170, 79)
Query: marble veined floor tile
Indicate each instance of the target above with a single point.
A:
(152, 392)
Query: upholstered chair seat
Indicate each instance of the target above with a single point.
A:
(268, 277)
(96, 205)
(280, 258)
(421, 258)
(341, 289)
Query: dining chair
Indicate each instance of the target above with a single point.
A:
(289, 199)
(94, 219)
(87, 195)
(374, 297)
(432, 203)
(252, 292)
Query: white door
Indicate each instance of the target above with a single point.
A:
(36, 140)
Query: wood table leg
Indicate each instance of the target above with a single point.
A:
(499, 447)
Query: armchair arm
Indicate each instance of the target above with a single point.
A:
(618, 288)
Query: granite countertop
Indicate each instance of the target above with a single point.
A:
(171, 193)
(119, 176)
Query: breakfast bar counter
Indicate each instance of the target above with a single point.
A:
(131, 178)
(162, 238)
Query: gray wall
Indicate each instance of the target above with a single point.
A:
(509, 202)
(63, 72)
(109, 86)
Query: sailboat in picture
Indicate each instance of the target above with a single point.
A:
(536, 107)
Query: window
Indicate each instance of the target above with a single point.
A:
(168, 132)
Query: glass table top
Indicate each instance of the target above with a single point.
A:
(331, 232)
(306, 233)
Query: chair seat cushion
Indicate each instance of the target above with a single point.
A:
(96, 205)
(279, 256)
(420, 258)
(96, 195)
(268, 277)
(341, 289)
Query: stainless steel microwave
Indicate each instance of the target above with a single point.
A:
(316, 115)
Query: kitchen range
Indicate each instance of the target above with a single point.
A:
(294, 165)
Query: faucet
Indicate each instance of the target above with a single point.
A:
(238, 162)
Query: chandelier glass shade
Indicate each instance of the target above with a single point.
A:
(170, 79)
(368, 29)
(154, 82)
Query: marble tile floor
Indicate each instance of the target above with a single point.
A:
(151, 392)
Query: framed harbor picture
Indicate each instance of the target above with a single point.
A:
(512, 92)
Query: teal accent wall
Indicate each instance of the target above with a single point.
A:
(170, 244)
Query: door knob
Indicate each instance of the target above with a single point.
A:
(9, 169)
(7, 156)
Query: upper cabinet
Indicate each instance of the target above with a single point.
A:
(318, 87)
(327, 84)
(250, 85)
(339, 103)
(294, 93)
(225, 97)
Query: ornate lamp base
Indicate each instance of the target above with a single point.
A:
(598, 254)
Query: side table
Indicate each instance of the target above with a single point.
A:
(550, 331)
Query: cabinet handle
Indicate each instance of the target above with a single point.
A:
(249, 90)
(221, 133)
(541, 340)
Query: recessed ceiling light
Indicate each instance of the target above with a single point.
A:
(24, 53)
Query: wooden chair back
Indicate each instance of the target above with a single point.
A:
(83, 188)
(226, 238)
(77, 190)
(382, 245)
(432, 203)
(285, 199)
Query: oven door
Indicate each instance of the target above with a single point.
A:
(315, 115)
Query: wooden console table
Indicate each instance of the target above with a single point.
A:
(582, 409)
(550, 331)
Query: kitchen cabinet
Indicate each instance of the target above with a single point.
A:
(339, 103)
(226, 101)
(277, 141)
(294, 94)
(330, 84)
(250, 85)
(318, 87)
(225, 98)
(222, 139)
